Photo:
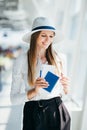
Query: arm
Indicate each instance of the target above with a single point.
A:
(64, 79)
(17, 81)
(16, 96)
(65, 83)
(39, 83)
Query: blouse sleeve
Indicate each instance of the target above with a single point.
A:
(16, 96)
(63, 59)
(64, 71)
(64, 64)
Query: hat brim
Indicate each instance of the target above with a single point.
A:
(59, 36)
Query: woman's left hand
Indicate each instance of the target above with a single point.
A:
(65, 83)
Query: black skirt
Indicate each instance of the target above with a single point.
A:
(48, 114)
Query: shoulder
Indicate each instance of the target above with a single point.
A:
(22, 57)
(20, 60)
(60, 56)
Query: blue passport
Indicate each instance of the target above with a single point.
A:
(51, 79)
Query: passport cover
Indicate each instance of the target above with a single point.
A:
(51, 79)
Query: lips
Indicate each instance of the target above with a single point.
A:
(44, 43)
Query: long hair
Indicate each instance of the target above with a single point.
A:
(32, 57)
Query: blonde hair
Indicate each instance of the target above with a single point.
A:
(32, 58)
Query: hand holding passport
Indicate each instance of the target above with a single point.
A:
(51, 79)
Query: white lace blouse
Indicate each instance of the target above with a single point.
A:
(20, 86)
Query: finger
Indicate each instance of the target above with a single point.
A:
(64, 80)
(40, 79)
(42, 83)
(65, 85)
(62, 74)
(42, 86)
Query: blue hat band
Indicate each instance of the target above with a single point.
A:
(44, 27)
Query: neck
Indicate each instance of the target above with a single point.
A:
(42, 55)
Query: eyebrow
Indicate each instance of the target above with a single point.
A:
(46, 34)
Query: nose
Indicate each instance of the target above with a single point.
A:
(47, 38)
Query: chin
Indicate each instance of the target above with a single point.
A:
(45, 47)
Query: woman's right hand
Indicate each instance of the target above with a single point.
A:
(40, 83)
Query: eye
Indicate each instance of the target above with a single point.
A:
(43, 35)
(51, 36)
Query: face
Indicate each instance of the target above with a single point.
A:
(45, 39)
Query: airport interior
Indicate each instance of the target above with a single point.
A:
(70, 18)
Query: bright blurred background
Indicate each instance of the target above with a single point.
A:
(69, 16)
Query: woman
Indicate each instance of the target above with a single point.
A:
(43, 110)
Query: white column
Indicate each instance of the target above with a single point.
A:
(77, 49)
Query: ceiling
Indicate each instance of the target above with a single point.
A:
(19, 14)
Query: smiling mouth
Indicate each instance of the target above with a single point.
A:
(44, 43)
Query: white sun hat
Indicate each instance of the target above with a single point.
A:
(39, 24)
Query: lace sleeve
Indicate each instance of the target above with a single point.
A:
(16, 96)
(62, 60)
